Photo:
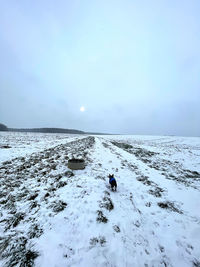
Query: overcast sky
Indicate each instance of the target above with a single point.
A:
(133, 64)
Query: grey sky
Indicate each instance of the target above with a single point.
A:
(134, 65)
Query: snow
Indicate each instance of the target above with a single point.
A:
(22, 144)
(74, 219)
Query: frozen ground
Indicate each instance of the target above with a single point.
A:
(51, 216)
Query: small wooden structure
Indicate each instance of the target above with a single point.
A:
(76, 164)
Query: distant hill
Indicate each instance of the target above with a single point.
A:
(44, 130)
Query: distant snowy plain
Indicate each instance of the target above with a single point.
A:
(52, 216)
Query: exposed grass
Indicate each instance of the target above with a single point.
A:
(14, 220)
(100, 217)
(98, 240)
(17, 252)
(107, 203)
(58, 206)
(169, 206)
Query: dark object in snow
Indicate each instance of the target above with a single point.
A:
(112, 182)
(76, 164)
(5, 146)
(116, 228)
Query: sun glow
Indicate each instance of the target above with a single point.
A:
(82, 109)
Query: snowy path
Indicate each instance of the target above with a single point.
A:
(77, 221)
(153, 234)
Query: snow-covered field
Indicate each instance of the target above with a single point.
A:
(22, 144)
(52, 216)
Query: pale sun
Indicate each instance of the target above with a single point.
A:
(82, 109)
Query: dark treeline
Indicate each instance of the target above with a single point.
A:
(46, 130)
(43, 130)
(3, 127)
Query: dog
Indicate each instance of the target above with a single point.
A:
(112, 182)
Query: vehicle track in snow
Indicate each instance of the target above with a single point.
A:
(159, 197)
(172, 170)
